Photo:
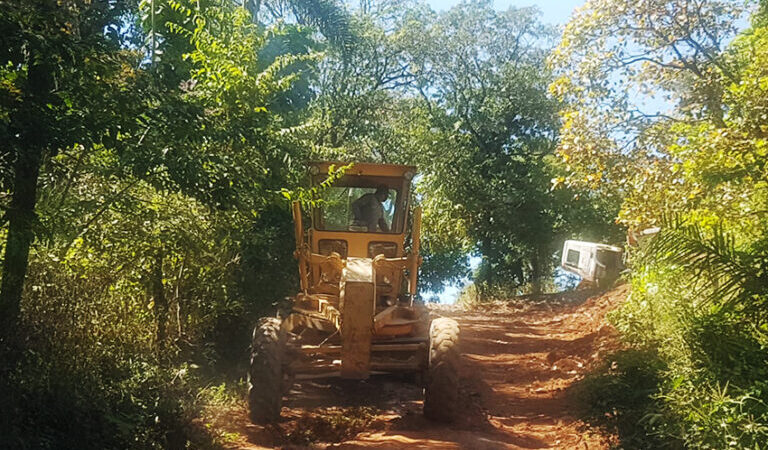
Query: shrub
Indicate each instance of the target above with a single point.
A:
(622, 397)
(696, 302)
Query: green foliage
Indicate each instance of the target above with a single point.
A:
(714, 357)
(312, 196)
(161, 231)
(462, 94)
(721, 417)
(328, 16)
(698, 296)
(700, 156)
(710, 358)
(608, 40)
(114, 403)
(732, 278)
(621, 396)
(496, 127)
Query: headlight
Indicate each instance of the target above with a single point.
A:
(327, 246)
(388, 249)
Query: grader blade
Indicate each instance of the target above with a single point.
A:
(356, 318)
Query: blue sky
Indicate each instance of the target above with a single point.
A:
(555, 12)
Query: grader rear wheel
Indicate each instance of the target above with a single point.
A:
(442, 384)
(265, 374)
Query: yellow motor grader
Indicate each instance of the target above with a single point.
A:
(356, 313)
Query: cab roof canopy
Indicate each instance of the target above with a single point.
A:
(367, 169)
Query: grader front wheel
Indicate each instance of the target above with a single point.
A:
(441, 391)
(265, 374)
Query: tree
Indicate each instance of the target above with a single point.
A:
(329, 17)
(51, 102)
(463, 95)
(611, 51)
(484, 81)
(697, 171)
(208, 133)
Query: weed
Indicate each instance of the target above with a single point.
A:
(621, 396)
(331, 425)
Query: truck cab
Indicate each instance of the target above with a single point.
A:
(593, 262)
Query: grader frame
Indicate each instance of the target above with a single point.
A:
(356, 312)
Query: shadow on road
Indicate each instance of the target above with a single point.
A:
(520, 361)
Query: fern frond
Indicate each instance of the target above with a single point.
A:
(712, 260)
(329, 16)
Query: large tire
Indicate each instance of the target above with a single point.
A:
(441, 392)
(265, 374)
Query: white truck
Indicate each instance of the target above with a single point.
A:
(597, 263)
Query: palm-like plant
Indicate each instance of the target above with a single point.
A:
(162, 20)
(726, 274)
(330, 17)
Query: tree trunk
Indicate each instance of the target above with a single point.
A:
(539, 268)
(177, 296)
(31, 142)
(161, 303)
(536, 273)
(21, 219)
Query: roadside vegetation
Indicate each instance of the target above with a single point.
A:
(149, 150)
(693, 374)
(150, 147)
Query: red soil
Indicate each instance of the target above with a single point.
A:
(519, 360)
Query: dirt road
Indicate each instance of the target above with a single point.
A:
(519, 360)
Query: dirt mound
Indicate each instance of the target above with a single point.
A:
(519, 359)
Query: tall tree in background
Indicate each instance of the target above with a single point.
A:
(487, 70)
(671, 51)
(486, 89)
(329, 17)
(463, 94)
(59, 65)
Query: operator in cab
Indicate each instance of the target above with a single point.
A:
(368, 211)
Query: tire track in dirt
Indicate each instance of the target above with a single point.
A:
(519, 360)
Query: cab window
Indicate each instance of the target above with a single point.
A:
(361, 204)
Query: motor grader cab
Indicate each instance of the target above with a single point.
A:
(356, 313)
